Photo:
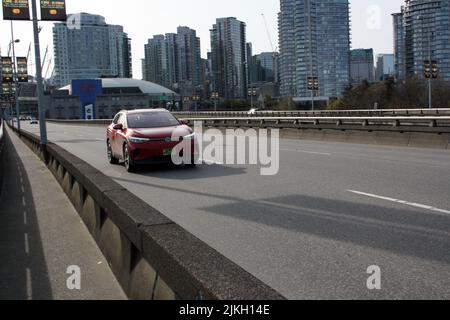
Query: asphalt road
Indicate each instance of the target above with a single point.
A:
(311, 231)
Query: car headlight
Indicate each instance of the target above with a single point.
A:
(138, 140)
(191, 136)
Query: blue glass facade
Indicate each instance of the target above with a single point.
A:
(314, 42)
(229, 58)
(422, 31)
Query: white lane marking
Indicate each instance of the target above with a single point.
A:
(24, 202)
(27, 244)
(25, 220)
(22, 188)
(98, 139)
(29, 285)
(306, 151)
(412, 204)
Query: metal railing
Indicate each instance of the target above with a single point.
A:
(431, 124)
(401, 124)
(320, 113)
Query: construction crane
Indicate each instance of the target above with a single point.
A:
(48, 67)
(274, 51)
(268, 33)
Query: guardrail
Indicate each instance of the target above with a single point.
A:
(399, 124)
(151, 256)
(319, 113)
(421, 132)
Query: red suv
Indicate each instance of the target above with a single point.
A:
(149, 136)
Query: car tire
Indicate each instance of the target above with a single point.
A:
(111, 158)
(129, 165)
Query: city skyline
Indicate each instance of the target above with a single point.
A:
(371, 23)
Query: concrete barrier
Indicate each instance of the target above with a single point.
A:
(151, 256)
(2, 133)
(379, 133)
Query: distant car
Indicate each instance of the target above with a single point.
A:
(34, 121)
(252, 112)
(139, 137)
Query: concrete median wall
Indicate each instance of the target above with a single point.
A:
(2, 166)
(152, 257)
(406, 137)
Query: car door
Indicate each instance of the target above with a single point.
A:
(119, 135)
(112, 134)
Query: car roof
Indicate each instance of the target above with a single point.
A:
(144, 111)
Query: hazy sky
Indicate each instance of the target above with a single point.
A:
(371, 22)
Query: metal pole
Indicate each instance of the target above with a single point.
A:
(15, 77)
(40, 86)
(430, 101)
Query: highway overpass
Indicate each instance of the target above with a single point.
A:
(311, 231)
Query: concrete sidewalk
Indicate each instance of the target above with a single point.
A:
(41, 235)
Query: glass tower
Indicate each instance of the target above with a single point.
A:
(229, 58)
(314, 42)
(422, 32)
(96, 49)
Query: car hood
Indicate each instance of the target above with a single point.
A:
(165, 132)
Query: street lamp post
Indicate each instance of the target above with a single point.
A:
(215, 97)
(252, 93)
(429, 76)
(196, 99)
(40, 86)
(430, 101)
(15, 77)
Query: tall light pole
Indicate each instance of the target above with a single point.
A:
(430, 101)
(40, 86)
(252, 93)
(429, 76)
(15, 76)
(215, 97)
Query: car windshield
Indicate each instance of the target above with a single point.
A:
(152, 120)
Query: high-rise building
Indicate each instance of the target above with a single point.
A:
(174, 60)
(362, 66)
(314, 42)
(263, 67)
(229, 58)
(156, 66)
(421, 32)
(189, 57)
(95, 50)
(385, 67)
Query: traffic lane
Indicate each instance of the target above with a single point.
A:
(298, 238)
(382, 170)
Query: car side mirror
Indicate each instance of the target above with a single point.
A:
(184, 122)
(118, 126)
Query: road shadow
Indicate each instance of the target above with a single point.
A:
(23, 271)
(174, 172)
(408, 232)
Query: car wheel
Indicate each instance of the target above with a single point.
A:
(126, 158)
(111, 158)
